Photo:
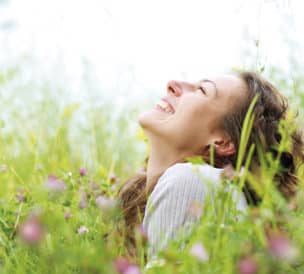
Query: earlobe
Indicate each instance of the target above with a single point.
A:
(224, 148)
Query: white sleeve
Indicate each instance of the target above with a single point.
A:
(167, 210)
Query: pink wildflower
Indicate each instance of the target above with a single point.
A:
(32, 231)
(247, 266)
(123, 266)
(54, 184)
(67, 215)
(20, 196)
(199, 251)
(132, 269)
(281, 247)
(82, 171)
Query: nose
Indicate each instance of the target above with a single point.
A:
(177, 88)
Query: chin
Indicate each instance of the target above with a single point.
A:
(149, 120)
(144, 119)
(152, 121)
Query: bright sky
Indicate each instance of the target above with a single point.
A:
(136, 46)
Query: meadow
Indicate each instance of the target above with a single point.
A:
(62, 163)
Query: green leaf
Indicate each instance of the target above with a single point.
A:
(196, 160)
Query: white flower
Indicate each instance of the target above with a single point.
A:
(82, 230)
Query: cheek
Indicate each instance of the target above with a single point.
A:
(189, 125)
(202, 114)
(200, 122)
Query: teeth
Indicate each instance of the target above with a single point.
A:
(165, 106)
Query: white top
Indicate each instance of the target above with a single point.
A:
(167, 210)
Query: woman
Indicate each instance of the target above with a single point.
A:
(202, 119)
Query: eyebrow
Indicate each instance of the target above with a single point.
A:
(212, 82)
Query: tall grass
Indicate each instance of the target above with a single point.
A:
(61, 165)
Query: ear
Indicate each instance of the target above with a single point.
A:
(224, 147)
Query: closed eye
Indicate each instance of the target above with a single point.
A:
(202, 89)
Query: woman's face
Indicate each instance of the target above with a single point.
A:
(189, 115)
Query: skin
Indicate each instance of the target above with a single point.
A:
(194, 125)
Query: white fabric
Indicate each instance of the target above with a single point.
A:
(167, 211)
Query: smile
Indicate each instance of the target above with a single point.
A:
(164, 106)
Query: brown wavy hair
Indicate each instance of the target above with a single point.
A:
(270, 108)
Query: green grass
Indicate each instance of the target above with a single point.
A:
(46, 137)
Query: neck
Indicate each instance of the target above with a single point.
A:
(161, 157)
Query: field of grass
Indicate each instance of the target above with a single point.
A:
(61, 165)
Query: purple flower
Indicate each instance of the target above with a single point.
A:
(32, 231)
(199, 251)
(123, 266)
(82, 230)
(82, 171)
(67, 215)
(132, 269)
(53, 184)
(247, 266)
(20, 196)
(281, 247)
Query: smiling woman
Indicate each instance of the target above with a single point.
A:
(197, 110)
(191, 120)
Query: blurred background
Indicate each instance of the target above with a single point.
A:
(75, 75)
(111, 59)
(143, 44)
